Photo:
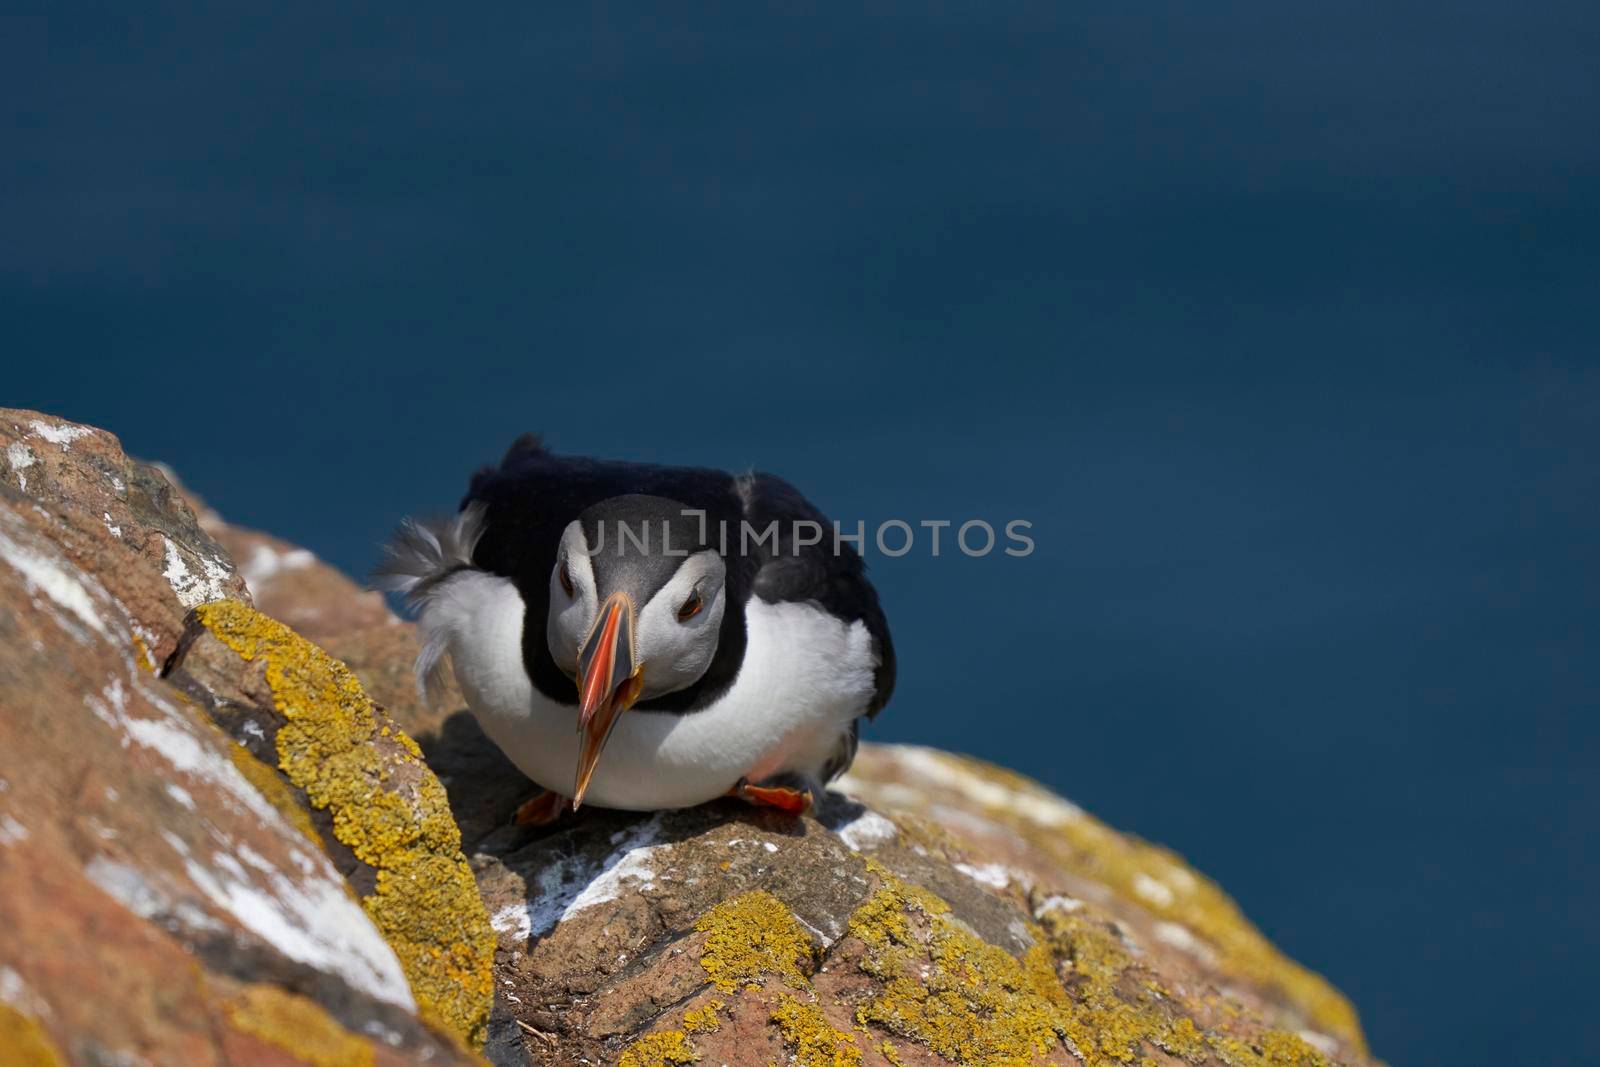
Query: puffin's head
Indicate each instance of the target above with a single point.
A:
(636, 605)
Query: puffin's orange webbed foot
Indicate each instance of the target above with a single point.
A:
(784, 798)
(541, 810)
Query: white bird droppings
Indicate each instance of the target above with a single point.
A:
(1057, 902)
(1152, 890)
(12, 832)
(569, 886)
(993, 875)
(866, 831)
(193, 589)
(1034, 804)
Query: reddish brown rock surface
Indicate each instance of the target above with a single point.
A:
(116, 519)
(156, 907)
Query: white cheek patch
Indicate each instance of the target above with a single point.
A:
(676, 653)
(571, 617)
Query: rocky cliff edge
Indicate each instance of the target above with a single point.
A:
(230, 834)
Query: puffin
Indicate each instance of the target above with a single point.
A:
(646, 637)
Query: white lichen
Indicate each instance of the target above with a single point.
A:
(20, 457)
(191, 589)
(62, 434)
(58, 582)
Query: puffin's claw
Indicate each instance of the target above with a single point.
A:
(784, 798)
(541, 810)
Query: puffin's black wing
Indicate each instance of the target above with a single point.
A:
(835, 580)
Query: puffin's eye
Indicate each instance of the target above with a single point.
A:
(690, 608)
(566, 579)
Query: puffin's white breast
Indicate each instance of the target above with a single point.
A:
(806, 675)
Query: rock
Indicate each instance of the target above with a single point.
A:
(116, 519)
(376, 807)
(934, 910)
(290, 583)
(972, 917)
(164, 896)
(1019, 840)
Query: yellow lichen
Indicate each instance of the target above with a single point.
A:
(298, 1026)
(387, 807)
(750, 936)
(24, 1043)
(812, 1039)
(972, 1002)
(1160, 881)
(1183, 1039)
(703, 1020)
(669, 1048)
(1281, 1047)
(1272, 1048)
(887, 1051)
(143, 658)
(278, 794)
(1110, 1013)
(945, 987)
(930, 836)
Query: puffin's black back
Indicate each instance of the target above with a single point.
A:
(532, 496)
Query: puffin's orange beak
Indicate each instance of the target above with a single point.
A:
(608, 684)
